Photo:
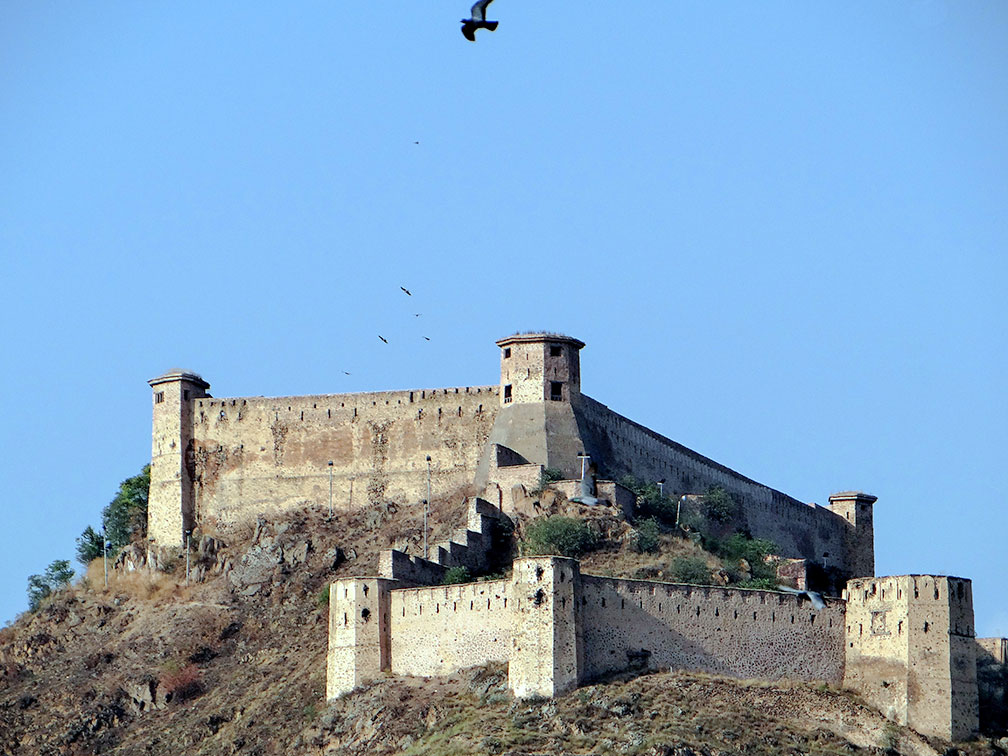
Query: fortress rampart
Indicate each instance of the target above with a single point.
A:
(216, 462)
(903, 642)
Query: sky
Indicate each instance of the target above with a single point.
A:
(779, 228)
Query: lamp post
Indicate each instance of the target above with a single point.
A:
(330, 488)
(583, 457)
(105, 548)
(678, 505)
(187, 534)
(661, 488)
(426, 508)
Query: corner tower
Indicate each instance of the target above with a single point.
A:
(170, 502)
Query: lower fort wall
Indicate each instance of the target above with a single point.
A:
(439, 630)
(636, 624)
(257, 455)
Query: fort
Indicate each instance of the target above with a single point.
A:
(906, 643)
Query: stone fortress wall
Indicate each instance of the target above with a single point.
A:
(220, 461)
(558, 628)
(905, 643)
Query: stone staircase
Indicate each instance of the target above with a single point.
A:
(469, 547)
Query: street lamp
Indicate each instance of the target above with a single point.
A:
(426, 508)
(105, 548)
(583, 457)
(330, 488)
(678, 505)
(187, 534)
(661, 488)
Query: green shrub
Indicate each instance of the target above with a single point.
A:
(719, 506)
(566, 536)
(322, 597)
(740, 546)
(56, 577)
(454, 575)
(647, 538)
(690, 570)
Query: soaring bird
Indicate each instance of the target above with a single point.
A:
(406, 290)
(815, 598)
(478, 20)
(383, 338)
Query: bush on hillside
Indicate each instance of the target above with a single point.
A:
(690, 570)
(124, 520)
(647, 537)
(455, 575)
(566, 536)
(56, 577)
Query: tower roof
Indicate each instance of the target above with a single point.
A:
(535, 336)
(177, 374)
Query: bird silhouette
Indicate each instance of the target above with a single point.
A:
(427, 337)
(406, 290)
(478, 20)
(383, 338)
(815, 598)
(345, 373)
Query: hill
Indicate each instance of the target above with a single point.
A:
(233, 663)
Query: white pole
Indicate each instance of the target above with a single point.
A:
(426, 508)
(678, 504)
(330, 488)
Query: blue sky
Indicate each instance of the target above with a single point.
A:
(780, 229)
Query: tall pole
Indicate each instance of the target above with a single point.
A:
(330, 488)
(582, 456)
(425, 509)
(187, 533)
(104, 555)
(661, 488)
(677, 506)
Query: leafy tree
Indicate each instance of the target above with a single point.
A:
(123, 519)
(57, 576)
(89, 545)
(719, 504)
(566, 536)
(648, 536)
(455, 575)
(126, 515)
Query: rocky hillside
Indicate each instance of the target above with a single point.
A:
(233, 663)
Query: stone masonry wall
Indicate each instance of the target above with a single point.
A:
(725, 631)
(622, 447)
(439, 630)
(260, 455)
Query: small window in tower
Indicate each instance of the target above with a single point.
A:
(555, 351)
(158, 397)
(556, 391)
(507, 352)
(507, 394)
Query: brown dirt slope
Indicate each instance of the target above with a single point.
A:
(235, 665)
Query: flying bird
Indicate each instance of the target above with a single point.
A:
(345, 373)
(478, 20)
(427, 338)
(416, 314)
(406, 290)
(383, 338)
(815, 598)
